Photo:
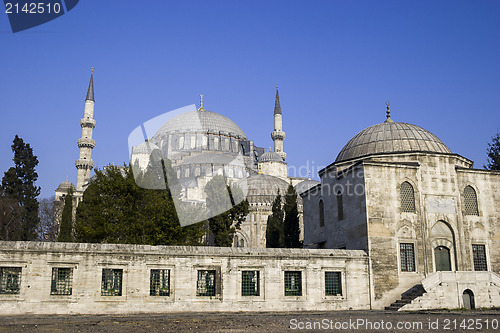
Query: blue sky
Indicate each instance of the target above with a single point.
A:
(336, 63)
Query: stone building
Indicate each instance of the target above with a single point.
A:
(426, 217)
(71, 278)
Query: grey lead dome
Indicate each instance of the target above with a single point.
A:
(270, 156)
(200, 121)
(391, 137)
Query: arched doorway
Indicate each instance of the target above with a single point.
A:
(442, 258)
(468, 298)
(443, 247)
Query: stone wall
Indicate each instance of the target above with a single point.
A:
(36, 260)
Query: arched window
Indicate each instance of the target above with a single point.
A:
(226, 144)
(193, 142)
(186, 173)
(181, 142)
(407, 198)
(470, 201)
(204, 142)
(321, 214)
(216, 143)
(340, 206)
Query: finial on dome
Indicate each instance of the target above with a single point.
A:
(201, 104)
(388, 113)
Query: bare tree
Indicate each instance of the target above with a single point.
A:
(48, 228)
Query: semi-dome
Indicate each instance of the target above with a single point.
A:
(262, 188)
(144, 148)
(270, 156)
(391, 137)
(305, 185)
(200, 121)
(65, 186)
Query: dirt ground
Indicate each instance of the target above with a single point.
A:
(340, 321)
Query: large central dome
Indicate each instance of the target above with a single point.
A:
(391, 137)
(200, 121)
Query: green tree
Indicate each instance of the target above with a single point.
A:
(230, 207)
(291, 224)
(18, 184)
(115, 210)
(66, 228)
(274, 229)
(493, 162)
(11, 213)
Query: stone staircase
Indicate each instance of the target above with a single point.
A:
(407, 297)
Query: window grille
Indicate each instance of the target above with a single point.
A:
(111, 282)
(293, 283)
(250, 283)
(333, 284)
(321, 214)
(340, 207)
(407, 257)
(407, 198)
(62, 280)
(479, 257)
(206, 283)
(470, 200)
(159, 282)
(10, 280)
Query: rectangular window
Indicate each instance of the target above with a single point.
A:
(250, 283)
(10, 280)
(111, 282)
(159, 282)
(205, 285)
(293, 283)
(407, 255)
(62, 279)
(333, 284)
(479, 257)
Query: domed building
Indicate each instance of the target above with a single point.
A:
(424, 215)
(261, 192)
(200, 145)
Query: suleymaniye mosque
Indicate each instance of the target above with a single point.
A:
(397, 221)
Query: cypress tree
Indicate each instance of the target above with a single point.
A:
(291, 222)
(66, 228)
(274, 229)
(18, 184)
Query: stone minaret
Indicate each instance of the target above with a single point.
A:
(84, 163)
(278, 135)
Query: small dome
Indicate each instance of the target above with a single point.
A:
(305, 185)
(144, 148)
(200, 121)
(262, 188)
(270, 157)
(65, 186)
(391, 137)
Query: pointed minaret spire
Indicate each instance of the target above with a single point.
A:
(388, 114)
(278, 135)
(90, 91)
(277, 107)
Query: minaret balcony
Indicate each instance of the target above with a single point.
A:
(84, 164)
(87, 122)
(86, 142)
(278, 135)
